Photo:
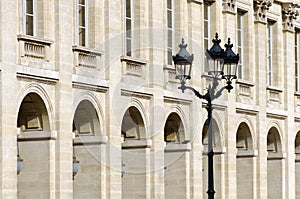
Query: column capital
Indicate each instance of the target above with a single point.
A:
(229, 6)
(260, 9)
(289, 14)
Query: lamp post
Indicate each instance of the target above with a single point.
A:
(221, 64)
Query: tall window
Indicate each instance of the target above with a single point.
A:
(82, 18)
(297, 64)
(170, 31)
(240, 43)
(206, 22)
(269, 53)
(29, 17)
(128, 27)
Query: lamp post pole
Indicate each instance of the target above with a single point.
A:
(221, 63)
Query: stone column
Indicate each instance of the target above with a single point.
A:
(230, 126)
(260, 48)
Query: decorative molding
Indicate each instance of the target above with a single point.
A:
(133, 67)
(178, 147)
(289, 15)
(260, 9)
(130, 93)
(195, 1)
(136, 144)
(246, 153)
(37, 136)
(276, 156)
(90, 87)
(86, 57)
(90, 140)
(173, 100)
(229, 6)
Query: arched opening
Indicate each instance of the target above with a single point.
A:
(34, 180)
(133, 125)
(297, 165)
(244, 162)
(274, 164)
(173, 130)
(218, 158)
(33, 115)
(176, 158)
(135, 155)
(87, 150)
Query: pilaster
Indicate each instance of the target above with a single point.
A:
(260, 48)
(63, 98)
(8, 93)
(289, 14)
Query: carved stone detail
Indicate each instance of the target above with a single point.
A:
(260, 9)
(289, 14)
(229, 6)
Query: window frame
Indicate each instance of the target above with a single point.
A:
(240, 43)
(296, 60)
(270, 27)
(85, 28)
(206, 20)
(169, 45)
(24, 18)
(128, 35)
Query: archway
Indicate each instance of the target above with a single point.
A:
(244, 162)
(274, 164)
(135, 155)
(34, 181)
(176, 158)
(87, 150)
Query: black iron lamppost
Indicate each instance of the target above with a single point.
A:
(221, 64)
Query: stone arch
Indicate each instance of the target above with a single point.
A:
(133, 125)
(244, 139)
(177, 109)
(33, 114)
(217, 137)
(274, 141)
(96, 110)
(174, 130)
(244, 161)
(275, 163)
(42, 99)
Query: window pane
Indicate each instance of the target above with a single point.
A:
(205, 11)
(170, 19)
(170, 35)
(169, 4)
(82, 2)
(29, 25)
(169, 56)
(29, 7)
(128, 8)
(128, 25)
(81, 16)
(206, 29)
(128, 47)
(82, 36)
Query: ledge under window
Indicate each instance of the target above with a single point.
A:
(86, 57)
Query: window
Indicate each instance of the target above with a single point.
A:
(269, 54)
(206, 22)
(29, 17)
(128, 27)
(240, 36)
(297, 64)
(82, 20)
(170, 31)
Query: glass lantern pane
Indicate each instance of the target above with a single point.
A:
(179, 70)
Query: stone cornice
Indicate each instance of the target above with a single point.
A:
(260, 9)
(289, 15)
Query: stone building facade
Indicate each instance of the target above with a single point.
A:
(93, 81)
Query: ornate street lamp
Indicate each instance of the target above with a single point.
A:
(221, 64)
